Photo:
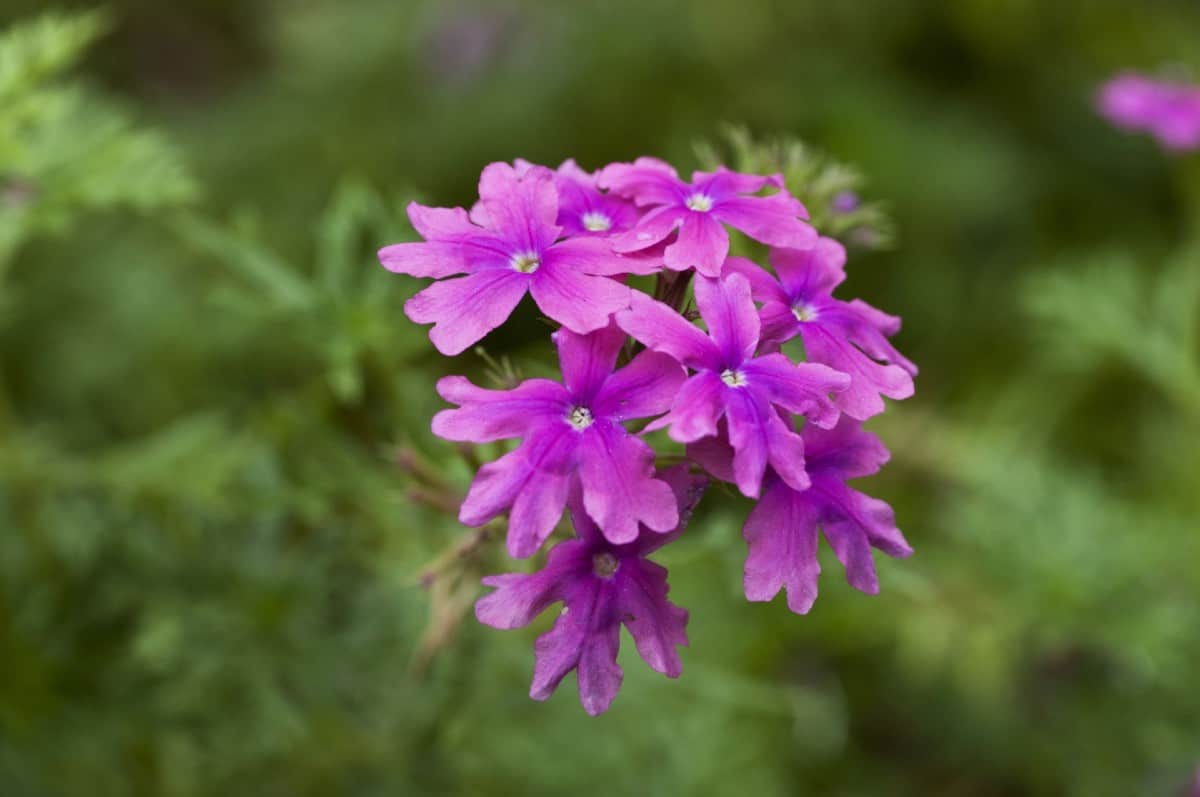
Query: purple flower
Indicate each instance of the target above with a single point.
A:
(701, 209)
(851, 337)
(570, 433)
(601, 586)
(1168, 111)
(507, 246)
(846, 202)
(782, 528)
(731, 383)
(584, 210)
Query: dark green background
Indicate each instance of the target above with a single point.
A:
(210, 563)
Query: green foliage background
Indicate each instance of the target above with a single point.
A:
(211, 559)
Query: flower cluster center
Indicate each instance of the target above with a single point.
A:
(580, 418)
(733, 378)
(605, 565)
(804, 312)
(596, 222)
(702, 203)
(526, 262)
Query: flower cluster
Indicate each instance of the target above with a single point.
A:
(787, 434)
(1166, 110)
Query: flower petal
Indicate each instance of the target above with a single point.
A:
(580, 302)
(771, 219)
(763, 286)
(656, 624)
(486, 415)
(463, 310)
(619, 488)
(746, 416)
(596, 256)
(802, 388)
(727, 309)
(812, 273)
(650, 229)
(520, 597)
(702, 244)
(781, 532)
(587, 361)
(660, 328)
(645, 387)
(846, 451)
(522, 207)
(868, 379)
(696, 409)
(854, 523)
(648, 181)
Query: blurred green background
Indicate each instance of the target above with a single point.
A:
(211, 558)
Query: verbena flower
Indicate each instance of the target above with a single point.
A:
(701, 209)
(602, 586)
(781, 530)
(732, 383)
(850, 337)
(1168, 111)
(507, 246)
(571, 432)
(583, 209)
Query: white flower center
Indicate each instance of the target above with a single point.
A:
(596, 222)
(580, 418)
(526, 263)
(701, 203)
(804, 312)
(605, 565)
(733, 378)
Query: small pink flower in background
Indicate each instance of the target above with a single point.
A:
(1169, 111)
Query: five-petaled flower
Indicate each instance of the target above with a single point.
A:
(701, 209)
(570, 432)
(602, 586)
(732, 383)
(509, 245)
(851, 337)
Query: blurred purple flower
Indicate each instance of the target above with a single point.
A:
(465, 41)
(851, 337)
(508, 246)
(571, 432)
(1166, 110)
(601, 586)
(846, 202)
(731, 383)
(701, 209)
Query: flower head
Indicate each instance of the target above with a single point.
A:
(602, 586)
(781, 530)
(508, 246)
(571, 433)
(851, 337)
(583, 209)
(700, 210)
(730, 382)
(1168, 111)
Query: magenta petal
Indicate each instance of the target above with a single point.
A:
(781, 532)
(520, 597)
(771, 220)
(802, 388)
(847, 450)
(807, 274)
(441, 223)
(724, 182)
(596, 256)
(587, 360)
(662, 329)
(656, 624)
(645, 387)
(763, 286)
(868, 379)
(649, 181)
(580, 302)
(619, 488)
(463, 310)
(696, 409)
(536, 511)
(688, 488)
(702, 245)
(727, 309)
(523, 207)
(487, 415)
(785, 452)
(435, 259)
(779, 325)
(853, 523)
(714, 454)
(650, 230)
(746, 417)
